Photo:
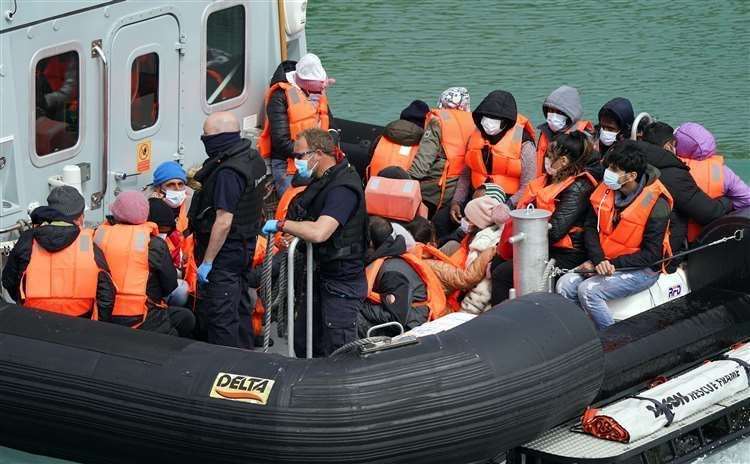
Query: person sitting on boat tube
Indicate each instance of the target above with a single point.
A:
(696, 147)
(296, 100)
(400, 140)
(564, 190)
(56, 266)
(331, 215)
(690, 202)
(141, 268)
(439, 161)
(626, 235)
(501, 150)
(401, 287)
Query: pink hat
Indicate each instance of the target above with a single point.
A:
(130, 208)
(479, 211)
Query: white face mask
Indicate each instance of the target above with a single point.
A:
(465, 225)
(607, 138)
(548, 167)
(556, 121)
(175, 198)
(491, 126)
(162, 236)
(611, 179)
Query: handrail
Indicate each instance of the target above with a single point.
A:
(290, 299)
(96, 51)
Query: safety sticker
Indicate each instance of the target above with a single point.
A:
(244, 388)
(143, 156)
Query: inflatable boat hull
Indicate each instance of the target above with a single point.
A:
(94, 392)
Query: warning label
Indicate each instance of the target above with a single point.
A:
(143, 156)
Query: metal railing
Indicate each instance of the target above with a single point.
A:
(290, 299)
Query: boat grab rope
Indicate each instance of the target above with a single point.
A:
(737, 236)
(272, 303)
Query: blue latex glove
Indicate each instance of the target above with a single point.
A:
(203, 270)
(270, 227)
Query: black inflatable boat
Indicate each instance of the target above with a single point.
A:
(94, 392)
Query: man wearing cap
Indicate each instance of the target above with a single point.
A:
(56, 266)
(225, 220)
(141, 268)
(169, 185)
(295, 101)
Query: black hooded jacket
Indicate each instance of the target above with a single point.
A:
(498, 104)
(56, 236)
(282, 145)
(397, 278)
(690, 202)
(622, 111)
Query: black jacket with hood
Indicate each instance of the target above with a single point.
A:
(282, 145)
(690, 202)
(622, 111)
(56, 235)
(498, 104)
(653, 235)
(395, 278)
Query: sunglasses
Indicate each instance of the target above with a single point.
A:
(300, 155)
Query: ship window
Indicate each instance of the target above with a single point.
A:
(56, 99)
(144, 91)
(225, 54)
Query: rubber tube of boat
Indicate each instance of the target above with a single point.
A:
(530, 249)
(95, 392)
(687, 330)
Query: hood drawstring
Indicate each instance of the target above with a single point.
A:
(599, 210)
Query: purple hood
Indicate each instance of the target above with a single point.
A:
(694, 141)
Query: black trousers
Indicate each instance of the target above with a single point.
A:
(224, 304)
(335, 312)
(444, 225)
(182, 319)
(502, 271)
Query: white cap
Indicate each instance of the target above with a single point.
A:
(310, 68)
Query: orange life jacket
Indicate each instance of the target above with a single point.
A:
(126, 248)
(505, 157)
(458, 259)
(181, 221)
(62, 282)
(388, 154)
(626, 236)
(544, 196)
(456, 126)
(709, 175)
(302, 113)
(190, 273)
(283, 207)
(435, 302)
(543, 143)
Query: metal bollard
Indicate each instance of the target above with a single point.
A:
(530, 249)
(290, 299)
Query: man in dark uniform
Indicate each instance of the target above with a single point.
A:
(331, 215)
(225, 217)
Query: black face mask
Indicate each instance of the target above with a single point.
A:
(219, 143)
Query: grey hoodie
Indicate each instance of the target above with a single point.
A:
(566, 100)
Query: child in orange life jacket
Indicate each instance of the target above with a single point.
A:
(627, 226)
(162, 215)
(564, 190)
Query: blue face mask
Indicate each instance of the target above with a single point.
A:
(303, 168)
(611, 180)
